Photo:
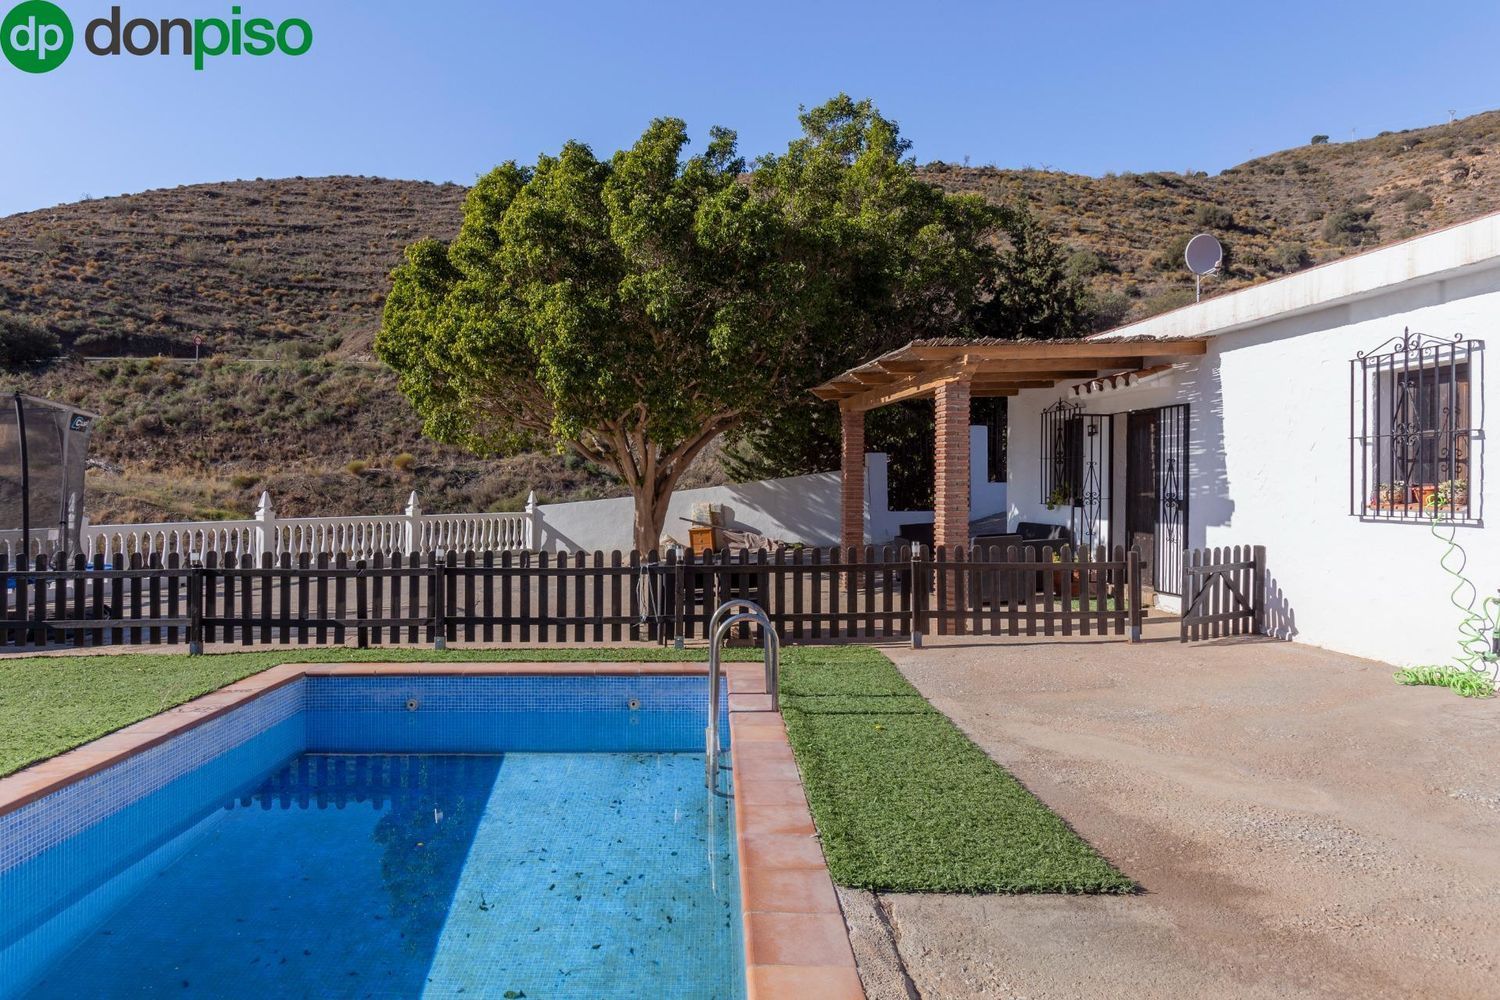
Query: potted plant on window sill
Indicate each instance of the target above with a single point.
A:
(1058, 498)
(1391, 497)
(1450, 497)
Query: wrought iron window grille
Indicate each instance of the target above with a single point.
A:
(1062, 455)
(1414, 448)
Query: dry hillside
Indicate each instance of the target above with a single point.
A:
(1275, 214)
(283, 281)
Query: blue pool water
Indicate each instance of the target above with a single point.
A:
(316, 857)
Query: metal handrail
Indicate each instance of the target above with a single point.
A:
(773, 656)
(733, 604)
(772, 653)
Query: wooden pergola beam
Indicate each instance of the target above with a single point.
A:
(1056, 365)
(1053, 375)
(1071, 349)
(994, 369)
(1024, 377)
(913, 387)
(902, 366)
(1010, 383)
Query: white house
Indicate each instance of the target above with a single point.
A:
(1327, 415)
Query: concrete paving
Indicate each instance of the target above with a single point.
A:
(1300, 826)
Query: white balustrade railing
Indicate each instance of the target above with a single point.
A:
(359, 537)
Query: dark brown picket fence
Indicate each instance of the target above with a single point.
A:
(1032, 591)
(486, 597)
(96, 603)
(811, 595)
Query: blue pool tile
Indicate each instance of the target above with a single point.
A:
(257, 855)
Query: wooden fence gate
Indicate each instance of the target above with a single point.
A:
(1223, 592)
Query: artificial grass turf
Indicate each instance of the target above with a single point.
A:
(49, 704)
(904, 801)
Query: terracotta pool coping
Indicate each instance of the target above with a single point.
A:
(796, 942)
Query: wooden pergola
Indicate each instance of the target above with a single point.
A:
(951, 372)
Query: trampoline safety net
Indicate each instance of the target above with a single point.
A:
(41, 473)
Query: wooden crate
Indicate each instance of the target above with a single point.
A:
(700, 540)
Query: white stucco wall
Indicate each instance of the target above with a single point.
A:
(798, 509)
(1270, 462)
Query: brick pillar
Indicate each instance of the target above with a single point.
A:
(951, 490)
(852, 478)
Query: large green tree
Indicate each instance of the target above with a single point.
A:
(1029, 292)
(1034, 294)
(634, 309)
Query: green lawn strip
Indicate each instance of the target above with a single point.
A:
(49, 704)
(905, 802)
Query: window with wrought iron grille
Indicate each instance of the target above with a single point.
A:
(1062, 454)
(1414, 446)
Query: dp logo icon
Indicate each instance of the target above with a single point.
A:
(36, 36)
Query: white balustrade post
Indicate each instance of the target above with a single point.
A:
(533, 517)
(412, 526)
(265, 525)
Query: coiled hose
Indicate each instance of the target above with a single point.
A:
(1476, 626)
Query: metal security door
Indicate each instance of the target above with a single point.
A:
(1141, 502)
(1156, 501)
(1093, 501)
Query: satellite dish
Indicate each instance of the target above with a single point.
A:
(1203, 254)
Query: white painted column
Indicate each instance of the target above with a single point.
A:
(411, 530)
(265, 525)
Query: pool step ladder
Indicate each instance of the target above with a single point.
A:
(729, 614)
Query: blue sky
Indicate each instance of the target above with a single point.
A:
(443, 91)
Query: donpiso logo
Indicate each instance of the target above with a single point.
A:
(36, 36)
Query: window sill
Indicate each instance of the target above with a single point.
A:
(1416, 515)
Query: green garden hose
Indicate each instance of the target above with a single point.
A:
(1476, 627)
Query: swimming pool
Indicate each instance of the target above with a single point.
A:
(508, 836)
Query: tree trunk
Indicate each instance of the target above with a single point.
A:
(650, 514)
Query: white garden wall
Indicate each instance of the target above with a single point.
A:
(1270, 453)
(799, 509)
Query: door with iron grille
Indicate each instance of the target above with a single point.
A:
(1156, 470)
(1093, 500)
